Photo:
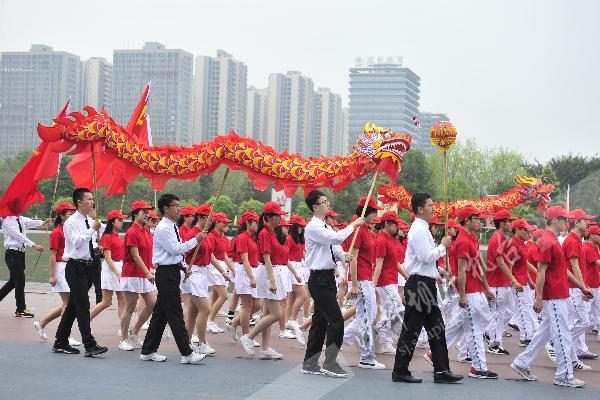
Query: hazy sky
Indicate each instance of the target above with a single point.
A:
(519, 73)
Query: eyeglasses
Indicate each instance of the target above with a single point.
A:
(323, 202)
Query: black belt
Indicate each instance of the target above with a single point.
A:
(86, 262)
(321, 271)
(179, 265)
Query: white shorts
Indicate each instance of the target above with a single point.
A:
(214, 277)
(136, 284)
(242, 281)
(305, 272)
(108, 279)
(61, 282)
(263, 284)
(299, 268)
(197, 283)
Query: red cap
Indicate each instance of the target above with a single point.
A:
(538, 233)
(284, 222)
(297, 219)
(521, 224)
(153, 215)
(221, 217)
(377, 220)
(187, 210)
(372, 203)
(391, 216)
(112, 214)
(65, 205)
(592, 223)
(594, 230)
(555, 212)
(578, 214)
(467, 212)
(248, 216)
(436, 221)
(203, 209)
(452, 224)
(332, 214)
(141, 205)
(503, 214)
(272, 207)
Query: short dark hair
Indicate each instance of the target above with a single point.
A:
(497, 222)
(418, 200)
(370, 210)
(313, 198)
(164, 201)
(78, 195)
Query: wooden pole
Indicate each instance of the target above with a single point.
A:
(122, 202)
(364, 210)
(446, 211)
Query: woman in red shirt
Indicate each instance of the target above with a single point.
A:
(244, 250)
(57, 269)
(113, 248)
(270, 280)
(137, 275)
(296, 298)
(187, 219)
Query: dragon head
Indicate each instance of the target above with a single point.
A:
(535, 189)
(383, 146)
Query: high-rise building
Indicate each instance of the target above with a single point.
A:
(326, 138)
(257, 108)
(347, 143)
(34, 86)
(219, 96)
(291, 108)
(96, 83)
(421, 138)
(170, 72)
(383, 92)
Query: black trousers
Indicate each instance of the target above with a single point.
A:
(77, 274)
(422, 310)
(327, 318)
(167, 310)
(94, 278)
(15, 260)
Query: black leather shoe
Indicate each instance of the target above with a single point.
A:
(408, 378)
(446, 377)
(95, 350)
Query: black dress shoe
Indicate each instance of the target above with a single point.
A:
(446, 377)
(408, 378)
(66, 349)
(95, 350)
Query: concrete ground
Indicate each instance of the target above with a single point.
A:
(29, 370)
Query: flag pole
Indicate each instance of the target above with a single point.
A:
(364, 210)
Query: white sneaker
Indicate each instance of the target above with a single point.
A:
(372, 364)
(221, 313)
(73, 342)
(125, 345)
(153, 357)
(135, 341)
(205, 348)
(286, 334)
(247, 344)
(295, 327)
(387, 348)
(573, 382)
(270, 354)
(40, 330)
(146, 325)
(581, 366)
(195, 339)
(231, 331)
(194, 358)
(212, 327)
(255, 344)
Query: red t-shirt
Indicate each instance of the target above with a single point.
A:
(137, 236)
(296, 250)
(116, 245)
(517, 254)
(532, 255)
(497, 248)
(550, 252)
(346, 243)
(245, 243)
(592, 254)
(401, 248)
(268, 244)
(467, 247)
(219, 244)
(572, 248)
(57, 242)
(206, 248)
(386, 248)
(183, 231)
(365, 243)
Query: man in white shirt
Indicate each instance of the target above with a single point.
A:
(167, 257)
(322, 250)
(422, 309)
(15, 242)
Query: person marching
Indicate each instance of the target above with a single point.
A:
(551, 298)
(80, 233)
(295, 243)
(270, 280)
(113, 248)
(137, 276)
(592, 257)
(362, 288)
(14, 229)
(186, 221)
(57, 279)
(167, 257)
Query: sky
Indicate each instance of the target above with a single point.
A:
(522, 74)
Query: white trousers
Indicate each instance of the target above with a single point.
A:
(525, 317)
(579, 320)
(502, 309)
(595, 310)
(554, 327)
(468, 328)
(391, 313)
(361, 327)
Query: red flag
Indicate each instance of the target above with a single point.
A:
(138, 125)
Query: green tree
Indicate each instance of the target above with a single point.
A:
(223, 205)
(303, 211)
(251, 204)
(415, 174)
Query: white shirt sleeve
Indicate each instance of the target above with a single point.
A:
(168, 240)
(10, 227)
(322, 235)
(74, 235)
(339, 252)
(423, 250)
(29, 223)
